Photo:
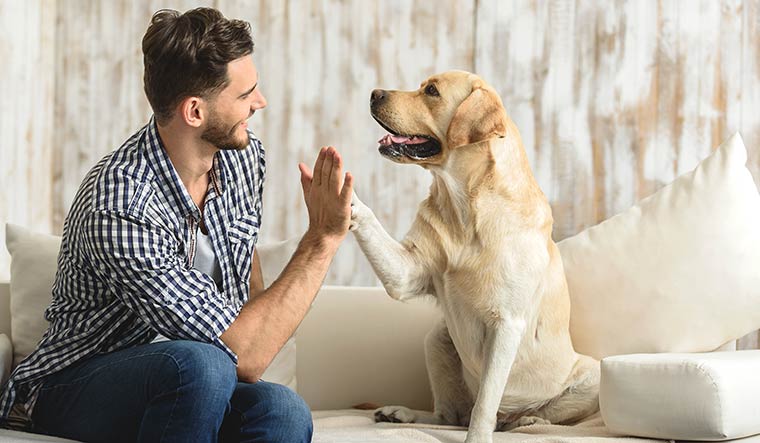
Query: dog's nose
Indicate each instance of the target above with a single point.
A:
(377, 96)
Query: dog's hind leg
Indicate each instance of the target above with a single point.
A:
(579, 400)
(452, 399)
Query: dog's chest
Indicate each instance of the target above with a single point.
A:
(465, 327)
(469, 290)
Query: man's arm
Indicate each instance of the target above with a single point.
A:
(267, 321)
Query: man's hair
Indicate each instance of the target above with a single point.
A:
(187, 54)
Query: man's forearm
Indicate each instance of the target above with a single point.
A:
(267, 321)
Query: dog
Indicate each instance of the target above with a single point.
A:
(481, 244)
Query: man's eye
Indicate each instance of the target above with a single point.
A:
(431, 90)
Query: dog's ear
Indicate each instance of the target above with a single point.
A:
(479, 117)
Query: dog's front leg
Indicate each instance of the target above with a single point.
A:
(503, 338)
(397, 267)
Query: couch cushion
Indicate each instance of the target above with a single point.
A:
(358, 345)
(33, 267)
(711, 396)
(677, 272)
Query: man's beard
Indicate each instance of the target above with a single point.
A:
(221, 137)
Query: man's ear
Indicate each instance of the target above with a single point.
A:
(479, 117)
(192, 110)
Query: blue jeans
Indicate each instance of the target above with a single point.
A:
(181, 391)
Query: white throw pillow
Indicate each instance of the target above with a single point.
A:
(33, 266)
(678, 272)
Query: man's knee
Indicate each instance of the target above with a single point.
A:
(197, 369)
(288, 416)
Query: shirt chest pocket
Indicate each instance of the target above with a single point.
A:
(243, 233)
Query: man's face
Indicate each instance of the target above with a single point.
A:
(230, 110)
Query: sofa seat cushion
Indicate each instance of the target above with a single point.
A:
(703, 396)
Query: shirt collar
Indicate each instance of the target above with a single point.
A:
(169, 181)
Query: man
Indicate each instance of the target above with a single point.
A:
(160, 326)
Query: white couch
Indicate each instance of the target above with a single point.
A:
(673, 277)
(357, 345)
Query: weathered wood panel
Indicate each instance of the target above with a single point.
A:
(99, 100)
(318, 63)
(26, 116)
(616, 100)
(613, 99)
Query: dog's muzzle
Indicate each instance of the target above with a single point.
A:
(396, 145)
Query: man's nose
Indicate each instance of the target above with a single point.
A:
(259, 102)
(378, 95)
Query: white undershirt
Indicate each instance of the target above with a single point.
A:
(204, 261)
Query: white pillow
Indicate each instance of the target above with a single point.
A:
(33, 266)
(701, 396)
(678, 272)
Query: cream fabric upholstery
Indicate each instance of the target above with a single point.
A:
(6, 357)
(33, 265)
(709, 396)
(677, 272)
(358, 345)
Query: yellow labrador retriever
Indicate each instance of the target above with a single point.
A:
(481, 244)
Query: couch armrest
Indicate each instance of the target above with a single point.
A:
(358, 345)
(6, 358)
(5, 308)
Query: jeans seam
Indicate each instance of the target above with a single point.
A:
(176, 397)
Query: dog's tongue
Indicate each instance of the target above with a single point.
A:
(401, 140)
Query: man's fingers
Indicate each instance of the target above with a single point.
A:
(306, 178)
(318, 165)
(336, 174)
(327, 166)
(348, 188)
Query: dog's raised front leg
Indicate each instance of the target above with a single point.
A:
(397, 267)
(503, 338)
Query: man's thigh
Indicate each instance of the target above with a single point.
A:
(105, 397)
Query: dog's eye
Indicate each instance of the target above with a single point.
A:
(432, 91)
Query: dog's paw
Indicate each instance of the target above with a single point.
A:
(359, 213)
(395, 414)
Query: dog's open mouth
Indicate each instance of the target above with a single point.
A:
(416, 147)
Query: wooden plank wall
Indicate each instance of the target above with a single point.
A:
(613, 99)
(27, 45)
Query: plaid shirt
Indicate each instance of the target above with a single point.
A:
(125, 265)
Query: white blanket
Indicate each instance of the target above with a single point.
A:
(356, 426)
